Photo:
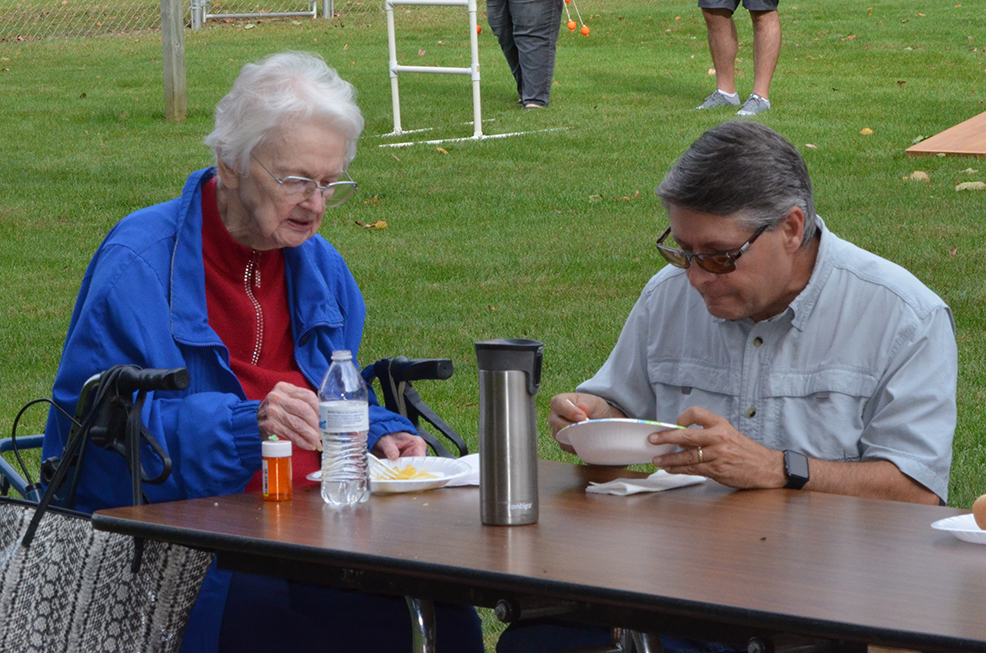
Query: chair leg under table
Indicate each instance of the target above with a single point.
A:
(422, 624)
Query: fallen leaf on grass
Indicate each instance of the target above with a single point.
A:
(712, 72)
(970, 171)
(811, 146)
(373, 201)
(379, 224)
(917, 140)
(595, 198)
(866, 131)
(396, 158)
(971, 185)
(442, 150)
(953, 251)
(421, 53)
(919, 175)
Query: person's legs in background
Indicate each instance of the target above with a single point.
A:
(536, 27)
(501, 22)
(766, 49)
(723, 45)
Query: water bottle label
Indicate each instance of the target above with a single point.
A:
(343, 416)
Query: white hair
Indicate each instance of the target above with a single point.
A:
(274, 91)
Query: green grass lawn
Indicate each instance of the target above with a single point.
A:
(547, 235)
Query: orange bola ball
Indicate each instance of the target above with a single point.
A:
(479, 29)
(585, 30)
(568, 0)
(571, 25)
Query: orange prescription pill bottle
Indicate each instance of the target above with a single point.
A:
(277, 469)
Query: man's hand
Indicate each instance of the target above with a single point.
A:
(291, 413)
(572, 407)
(400, 445)
(720, 452)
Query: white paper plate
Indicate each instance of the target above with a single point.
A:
(615, 441)
(445, 470)
(963, 527)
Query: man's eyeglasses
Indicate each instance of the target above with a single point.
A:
(723, 263)
(292, 190)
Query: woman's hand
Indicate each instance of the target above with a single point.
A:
(400, 445)
(291, 413)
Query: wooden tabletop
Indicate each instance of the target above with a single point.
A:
(689, 560)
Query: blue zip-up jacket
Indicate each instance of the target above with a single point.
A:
(143, 302)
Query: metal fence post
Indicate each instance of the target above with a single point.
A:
(197, 10)
(173, 46)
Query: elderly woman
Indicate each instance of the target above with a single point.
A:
(232, 281)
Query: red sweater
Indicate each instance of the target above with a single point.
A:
(247, 300)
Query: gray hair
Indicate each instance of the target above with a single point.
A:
(744, 168)
(270, 93)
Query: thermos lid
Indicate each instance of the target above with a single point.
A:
(512, 354)
(275, 448)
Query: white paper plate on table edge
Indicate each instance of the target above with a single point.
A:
(618, 441)
(963, 527)
(445, 469)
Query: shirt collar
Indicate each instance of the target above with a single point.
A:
(804, 303)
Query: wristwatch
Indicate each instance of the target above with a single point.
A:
(796, 468)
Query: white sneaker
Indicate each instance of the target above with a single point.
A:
(719, 99)
(754, 105)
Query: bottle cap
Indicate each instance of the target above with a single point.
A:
(342, 355)
(276, 448)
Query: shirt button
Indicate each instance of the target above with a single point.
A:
(750, 412)
(757, 341)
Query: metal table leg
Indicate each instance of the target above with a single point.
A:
(422, 625)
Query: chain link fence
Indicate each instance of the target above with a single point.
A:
(30, 20)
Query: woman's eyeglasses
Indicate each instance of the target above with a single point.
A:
(292, 190)
(723, 263)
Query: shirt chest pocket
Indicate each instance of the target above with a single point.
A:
(678, 386)
(819, 412)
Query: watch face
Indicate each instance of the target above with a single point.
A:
(796, 468)
(797, 465)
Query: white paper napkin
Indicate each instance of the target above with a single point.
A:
(659, 480)
(471, 478)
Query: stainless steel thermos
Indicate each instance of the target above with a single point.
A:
(509, 376)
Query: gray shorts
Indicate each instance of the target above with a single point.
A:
(731, 5)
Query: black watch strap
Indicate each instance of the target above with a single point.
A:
(796, 469)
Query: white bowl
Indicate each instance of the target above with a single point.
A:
(963, 527)
(616, 441)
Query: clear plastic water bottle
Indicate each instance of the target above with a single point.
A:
(344, 421)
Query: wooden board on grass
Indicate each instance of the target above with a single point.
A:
(964, 139)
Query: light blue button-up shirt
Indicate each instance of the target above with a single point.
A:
(861, 366)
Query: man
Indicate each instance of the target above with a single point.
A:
(724, 44)
(794, 358)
